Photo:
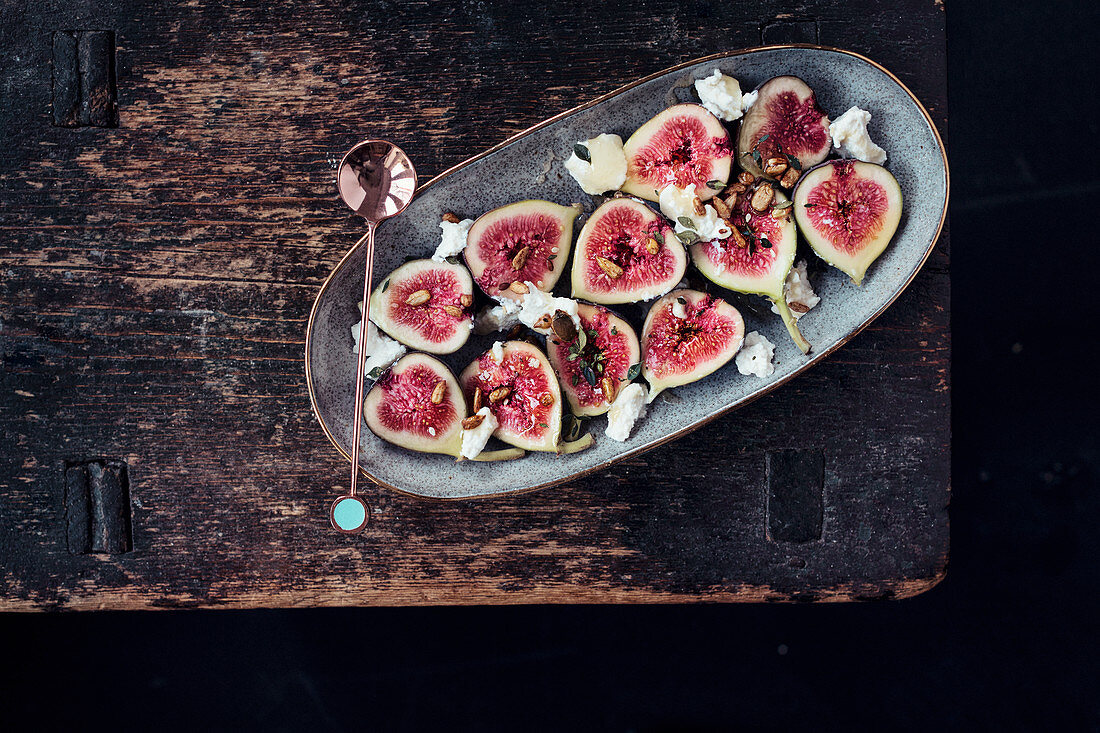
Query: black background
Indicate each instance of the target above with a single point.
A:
(1007, 641)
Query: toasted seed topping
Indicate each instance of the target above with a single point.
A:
(479, 399)
(697, 205)
(563, 326)
(652, 246)
(721, 208)
(774, 167)
(499, 394)
(451, 218)
(420, 297)
(609, 387)
(437, 393)
(762, 197)
(547, 399)
(731, 201)
(521, 258)
(466, 300)
(737, 188)
(789, 178)
(544, 321)
(781, 213)
(453, 310)
(737, 238)
(519, 288)
(472, 422)
(612, 270)
(746, 178)
(799, 307)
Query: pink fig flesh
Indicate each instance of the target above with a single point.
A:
(625, 232)
(610, 349)
(528, 241)
(521, 391)
(439, 324)
(683, 146)
(848, 211)
(687, 335)
(785, 120)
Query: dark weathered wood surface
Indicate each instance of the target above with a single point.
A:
(157, 276)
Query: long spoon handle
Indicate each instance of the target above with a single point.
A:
(358, 421)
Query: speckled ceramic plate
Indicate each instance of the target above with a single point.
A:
(529, 165)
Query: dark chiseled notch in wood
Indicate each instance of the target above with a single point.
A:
(796, 505)
(84, 93)
(97, 507)
(789, 30)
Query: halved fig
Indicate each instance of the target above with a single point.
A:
(626, 252)
(520, 242)
(594, 365)
(686, 336)
(685, 145)
(784, 120)
(518, 386)
(425, 305)
(757, 258)
(848, 211)
(418, 405)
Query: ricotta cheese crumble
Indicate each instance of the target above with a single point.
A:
(850, 138)
(626, 410)
(606, 168)
(755, 356)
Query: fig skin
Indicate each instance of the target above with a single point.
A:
(415, 377)
(624, 341)
(668, 264)
(427, 326)
(869, 191)
(783, 235)
(710, 147)
(810, 144)
(492, 247)
(516, 373)
(703, 311)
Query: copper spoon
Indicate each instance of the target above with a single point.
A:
(377, 180)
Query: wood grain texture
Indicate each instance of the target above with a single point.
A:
(157, 278)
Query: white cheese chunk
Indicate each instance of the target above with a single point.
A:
(474, 440)
(755, 356)
(748, 100)
(453, 240)
(720, 95)
(498, 352)
(677, 203)
(850, 138)
(799, 293)
(500, 317)
(626, 410)
(537, 304)
(606, 171)
(381, 349)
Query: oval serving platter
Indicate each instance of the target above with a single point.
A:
(529, 165)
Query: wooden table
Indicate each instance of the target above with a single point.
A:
(169, 213)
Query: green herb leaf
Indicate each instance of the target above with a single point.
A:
(592, 334)
(614, 331)
(589, 375)
(375, 373)
(599, 367)
(659, 237)
(573, 356)
(582, 152)
(582, 341)
(633, 372)
(576, 379)
(687, 237)
(385, 286)
(808, 206)
(686, 222)
(757, 157)
(763, 139)
(716, 185)
(783, 205)
(453, 259)
(765, 243)
(551, 258)
(543, 425)
(794, 162)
